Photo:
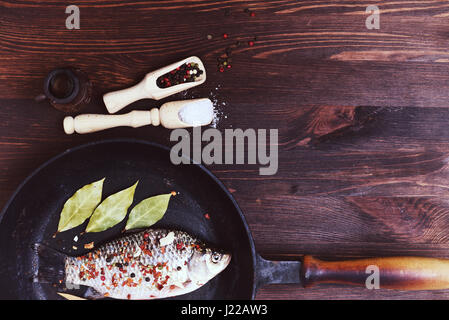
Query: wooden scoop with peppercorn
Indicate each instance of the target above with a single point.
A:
(174, 78)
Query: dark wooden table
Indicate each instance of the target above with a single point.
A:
(363, 115)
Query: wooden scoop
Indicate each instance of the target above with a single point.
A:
(168, 115)
(148, 88)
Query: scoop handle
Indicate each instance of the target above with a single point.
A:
(402, 273)
(117, 100)
(87, 123)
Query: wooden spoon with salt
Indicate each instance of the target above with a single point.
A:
(172, 115)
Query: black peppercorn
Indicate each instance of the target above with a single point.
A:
(178, 268)
(132, 275)
(187, 72)
(147, 279)
(119, 265)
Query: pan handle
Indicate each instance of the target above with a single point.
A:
(400, 273)
(276, 272)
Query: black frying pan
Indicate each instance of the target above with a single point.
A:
(32, 214)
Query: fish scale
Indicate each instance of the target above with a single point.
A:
(137, 266)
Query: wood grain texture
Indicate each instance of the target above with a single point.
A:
(362, 114)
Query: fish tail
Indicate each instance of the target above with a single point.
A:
(51, 265)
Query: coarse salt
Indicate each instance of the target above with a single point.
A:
(168, 239)
(197, 113)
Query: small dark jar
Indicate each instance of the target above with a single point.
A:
(68, 89)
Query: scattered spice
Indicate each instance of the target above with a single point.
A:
(250, 12)
(188, 72)
(209, 37)
(89, 245)
(207, 216)
(224, 61)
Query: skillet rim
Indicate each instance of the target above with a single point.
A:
(160, 146)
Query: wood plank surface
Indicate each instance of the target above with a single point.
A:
(362, 114)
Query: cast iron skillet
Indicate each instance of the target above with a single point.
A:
(31, 216)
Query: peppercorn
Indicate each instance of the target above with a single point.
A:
(184, 73)
(147, 279)
(132, 275)
(119, 265)
(225, 35)
(178, 268)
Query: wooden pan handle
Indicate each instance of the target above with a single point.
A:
(402, 273)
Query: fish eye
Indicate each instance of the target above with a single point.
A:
(215, 257)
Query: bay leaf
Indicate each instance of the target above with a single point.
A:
(80, 206)
(112, 210)
(148, 212)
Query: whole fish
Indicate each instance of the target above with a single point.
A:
(147, 265)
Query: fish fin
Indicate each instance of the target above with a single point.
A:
(51, 265)
(93, 294)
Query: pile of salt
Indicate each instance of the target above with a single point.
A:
(197, 113)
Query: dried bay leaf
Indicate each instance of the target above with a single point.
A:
(148, 212)
(80, 206)
(112, 210)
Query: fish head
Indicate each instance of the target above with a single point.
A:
(207, 263)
